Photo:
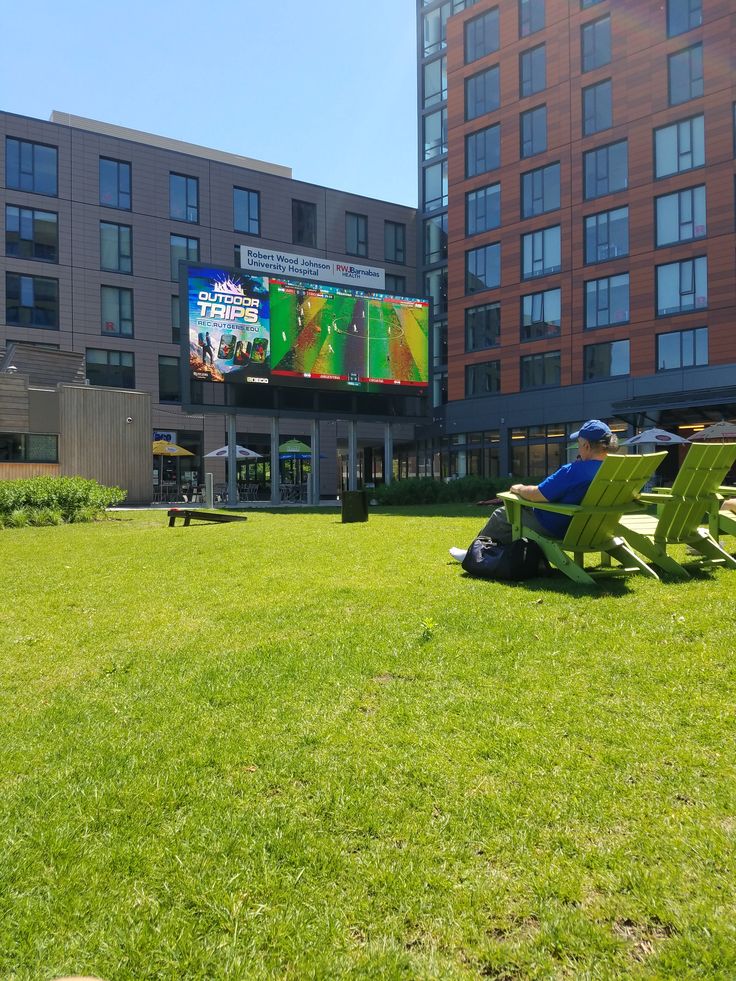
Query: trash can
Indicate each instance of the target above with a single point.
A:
(354, 506)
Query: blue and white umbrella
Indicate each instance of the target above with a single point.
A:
(654, 437)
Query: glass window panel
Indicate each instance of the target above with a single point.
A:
(483, 150)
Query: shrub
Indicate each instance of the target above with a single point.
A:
(427, 490)
(51, 500)
(18, 518)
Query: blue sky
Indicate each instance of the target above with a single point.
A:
(326, 87)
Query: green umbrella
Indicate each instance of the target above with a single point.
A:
(294, 446)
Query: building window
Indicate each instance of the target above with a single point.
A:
(540, 252)
(540, 191)
(435, 186)
(31, 234)
(681, 216)
(169, 388)
(182, 248)
(607, 235)
(435, 82)
(175, 320)
(482, 327)
(679, 147)
(606, 170)
(483, 268)
(435, 287)
(483, 150)
(683, 15)
(482, 93)
(116, 251)
(184, 198)
(682, 349)
(540, 370)
(482, 379)
(533, 126)
(607, 301)
(685, 73)
(395, 284)
(31, 166)
(246, 211)
(481, 35)
(439, 388)
(394, 241)
(31, 301)
(596, 43)
(540, 315)
(597, 107)
(607, 360)
(531, 17)
(435, 29)
(532, 71)
(304, 223)
(356, 234)
(29, 448)
(584, 4)
(115, 369)
(115, 184)
(483, 209)
(439, 342)
(117, 311)
(682, 286)
(435, 134)
(435, 239)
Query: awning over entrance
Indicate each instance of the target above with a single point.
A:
(668, 409)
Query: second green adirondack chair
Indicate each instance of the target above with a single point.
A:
(723, 522)
(682, 511)
(594, 525)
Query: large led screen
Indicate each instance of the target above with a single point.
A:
(245, 328)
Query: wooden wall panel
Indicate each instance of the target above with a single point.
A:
(19, 471)
(97, 440)
(14, 406)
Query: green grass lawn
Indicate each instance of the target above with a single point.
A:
(293, 748)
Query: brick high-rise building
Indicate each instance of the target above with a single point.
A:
(577, 221)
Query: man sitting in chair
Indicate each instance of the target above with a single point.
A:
(565, 486)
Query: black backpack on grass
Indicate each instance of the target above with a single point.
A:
(522, 559)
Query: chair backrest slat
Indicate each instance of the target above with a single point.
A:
(618, 481)
(702, 472)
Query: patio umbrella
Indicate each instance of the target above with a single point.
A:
(725, 431)
(162, 448)
(295, 446)
(241, 453)
(651, 437)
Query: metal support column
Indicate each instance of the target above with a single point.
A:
(314, 479)
(232, 459)
(352, 455)
(275, 462)
(388, 453)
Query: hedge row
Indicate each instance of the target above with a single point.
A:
(54, 500)
(427, 490)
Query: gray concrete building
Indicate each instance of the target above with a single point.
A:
(95, 220)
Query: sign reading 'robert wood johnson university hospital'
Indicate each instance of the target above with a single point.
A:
(311, 267)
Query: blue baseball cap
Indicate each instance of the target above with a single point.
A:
(593, 430)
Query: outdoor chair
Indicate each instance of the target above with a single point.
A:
(682, 510)
(595, 521)
(723, 522)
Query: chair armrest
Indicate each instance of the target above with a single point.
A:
(572, 509)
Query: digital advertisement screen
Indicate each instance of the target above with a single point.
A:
(252, 329)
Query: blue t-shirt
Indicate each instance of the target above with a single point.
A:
(566, 486)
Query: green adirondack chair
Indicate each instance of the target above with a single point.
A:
(723, 522)
(692, 499)
(594, 525)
